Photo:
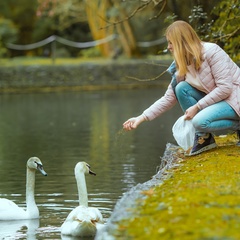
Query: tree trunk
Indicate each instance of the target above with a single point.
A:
(96, 13)
(101, 27)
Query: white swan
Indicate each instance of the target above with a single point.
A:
(9, 210)
(82, 221)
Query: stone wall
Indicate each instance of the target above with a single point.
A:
(85, 76)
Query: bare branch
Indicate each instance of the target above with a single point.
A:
(161, 10)
(229, 35)
(138, 9)
(147, 79)
(127, 18)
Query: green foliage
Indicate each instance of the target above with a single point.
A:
(22, 15)
(226, 28)
(170, 19)
(90, 52)
(8, 33)
(199, 21)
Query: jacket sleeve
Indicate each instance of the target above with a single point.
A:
(215, 73)
(163, 104)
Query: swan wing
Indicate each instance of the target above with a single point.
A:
(81, 221)
(95, 214)
(10, 210)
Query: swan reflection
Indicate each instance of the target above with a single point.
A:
(19, 229)
(65, 237)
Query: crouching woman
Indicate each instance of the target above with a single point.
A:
(206, 84)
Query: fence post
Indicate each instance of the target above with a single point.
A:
(53, 49)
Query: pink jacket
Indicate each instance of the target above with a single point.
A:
(219, 76)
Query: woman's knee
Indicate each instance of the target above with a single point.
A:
(181, 87)
(201, 125)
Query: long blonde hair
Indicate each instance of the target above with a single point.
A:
(187, 47)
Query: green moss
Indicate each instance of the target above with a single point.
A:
(199, 200)
(39, 61)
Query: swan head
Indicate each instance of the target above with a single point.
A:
(34, 163)
(84, 168)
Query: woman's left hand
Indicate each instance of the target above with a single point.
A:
(191, 112)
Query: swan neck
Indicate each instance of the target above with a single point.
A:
(82, 189)
(30, 186)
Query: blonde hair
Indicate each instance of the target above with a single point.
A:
(187, 47)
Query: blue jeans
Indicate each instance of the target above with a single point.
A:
(219, 117)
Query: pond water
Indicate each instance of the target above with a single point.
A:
(65, 128)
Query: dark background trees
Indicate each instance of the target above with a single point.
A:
(133, 21)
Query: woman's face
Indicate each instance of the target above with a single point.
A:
(170, 46)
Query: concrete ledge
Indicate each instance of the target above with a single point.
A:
(85, 76)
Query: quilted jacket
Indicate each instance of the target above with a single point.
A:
(219, 76)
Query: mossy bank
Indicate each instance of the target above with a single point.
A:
(194, 197)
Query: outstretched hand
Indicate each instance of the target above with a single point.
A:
(133, 123)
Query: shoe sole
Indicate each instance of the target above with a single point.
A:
(211, 146)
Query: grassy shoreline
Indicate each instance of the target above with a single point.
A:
(29, 61)
(200, 199)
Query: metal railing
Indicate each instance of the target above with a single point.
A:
(53, 39)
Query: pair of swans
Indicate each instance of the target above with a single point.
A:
(82, 221)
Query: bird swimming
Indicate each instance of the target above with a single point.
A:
(11, 211)
(83, 220)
